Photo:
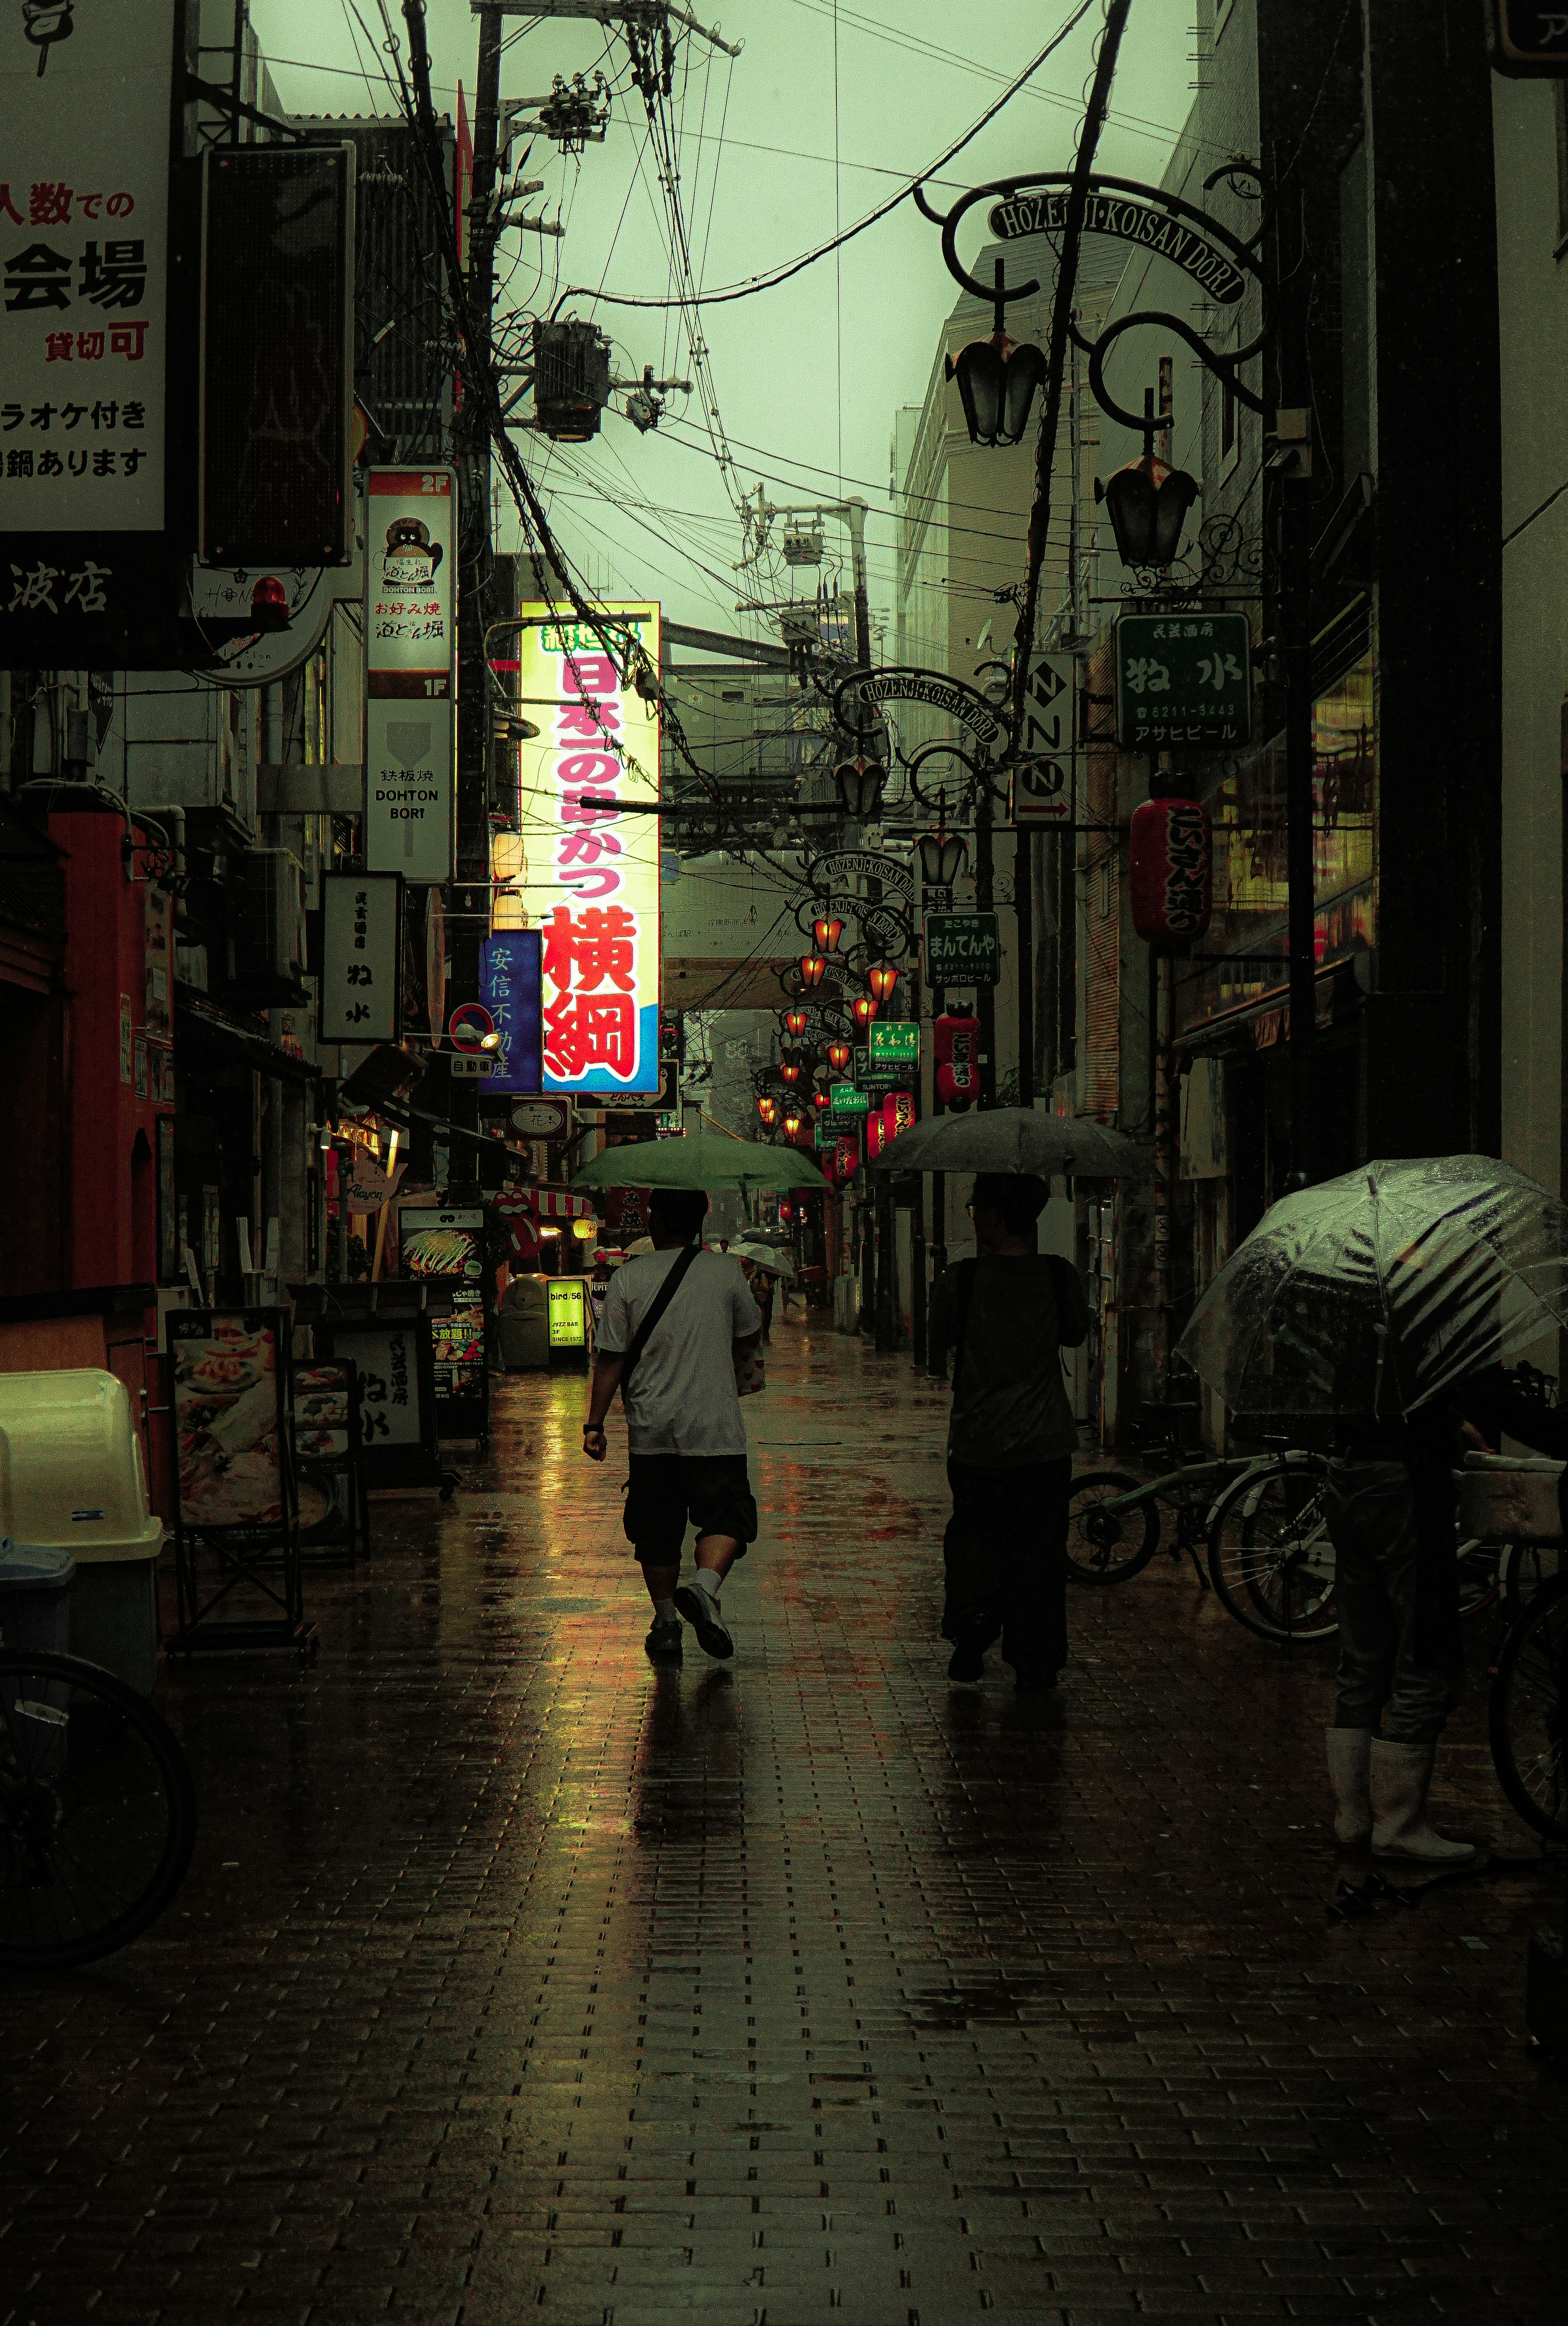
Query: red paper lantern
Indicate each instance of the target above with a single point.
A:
(876, 1133)
(955, 1047)
(846, 1159)
(898, 1112)
(1171, 871)
(814, 968)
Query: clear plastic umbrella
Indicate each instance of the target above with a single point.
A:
(1017, 1139)
(1376, 1291)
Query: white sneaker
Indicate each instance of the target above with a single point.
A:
(700, 1610)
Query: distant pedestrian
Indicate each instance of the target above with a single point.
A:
(1009, 1312)
(675, 1324)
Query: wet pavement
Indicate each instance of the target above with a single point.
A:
(515, 1978)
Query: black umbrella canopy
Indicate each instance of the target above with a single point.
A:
(1377, 1291)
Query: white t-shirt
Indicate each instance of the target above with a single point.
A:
(681, 1398)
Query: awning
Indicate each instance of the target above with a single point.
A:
(542, 1204)
(205, 1034)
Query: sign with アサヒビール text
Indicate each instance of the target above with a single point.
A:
(591, 873)
(361, 941)
(893, 1042)
(1183, 679)
(410, 664)
(962, 949)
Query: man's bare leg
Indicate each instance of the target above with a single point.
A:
(698, 1602)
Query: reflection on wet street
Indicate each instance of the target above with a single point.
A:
(515, 1976)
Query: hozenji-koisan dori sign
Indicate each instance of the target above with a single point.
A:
(1132, 218)
(87, 100)
(588, 877)
(865, 690)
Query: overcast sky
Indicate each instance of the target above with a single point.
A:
(778, 151)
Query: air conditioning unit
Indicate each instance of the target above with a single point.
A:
(266, 923)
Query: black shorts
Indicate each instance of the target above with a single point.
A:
(666, 1489)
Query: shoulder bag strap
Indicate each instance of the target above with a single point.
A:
(656, 1307)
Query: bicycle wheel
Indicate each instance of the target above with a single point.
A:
(1107, 1546)
(1527, 1713)
(1270, 1559)
(97, 1813)
(1523, 1567)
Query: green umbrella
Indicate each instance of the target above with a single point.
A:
(700, 1159)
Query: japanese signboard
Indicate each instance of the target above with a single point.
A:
(1183, 679)
(509, 989)
(846, 1098)
(1530, 37)
(1042, 779)
(361, 939)
(85, 95)
(386, 1356)
(592, 873)
(894, 1043)
(410, 671)
(961, 949)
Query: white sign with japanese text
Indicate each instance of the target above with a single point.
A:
(410, 671)
(361, 925)
(85, 95)
(588, 877)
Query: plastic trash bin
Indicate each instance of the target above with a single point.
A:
(71, 1480)
(36, 1597)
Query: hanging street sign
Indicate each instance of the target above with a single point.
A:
(592, 873)
(361, 955)
(962, 949)
(1183, 679)
(509, 988)
(1131, 220)
(846, 1098)
(1042, 778)
(863, 863)
(410, 671)
(863, 690)
(895, 1042)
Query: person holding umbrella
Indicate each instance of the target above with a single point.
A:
(1009, 1312)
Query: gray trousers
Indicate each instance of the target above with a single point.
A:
(1398, 1607)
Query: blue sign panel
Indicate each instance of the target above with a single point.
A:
(509, 989)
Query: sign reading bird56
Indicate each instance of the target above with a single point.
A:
(588, 877)
(1183, 679)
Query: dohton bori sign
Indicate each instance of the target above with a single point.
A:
(410, 661)
(588, 877)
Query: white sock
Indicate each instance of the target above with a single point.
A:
(710, 1582)
(666, 1612)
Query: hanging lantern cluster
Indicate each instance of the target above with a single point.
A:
(956, 1049)
(818, 1100)
(1171, 871)
(997, 379)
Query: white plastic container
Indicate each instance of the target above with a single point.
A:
(71, 1478)
(1505, 1499)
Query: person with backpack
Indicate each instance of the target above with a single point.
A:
(677, 1323)
(1009, 1312)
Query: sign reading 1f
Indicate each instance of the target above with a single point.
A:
(1183, 679)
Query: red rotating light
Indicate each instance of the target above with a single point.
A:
(814, 968)
(269, 604)
(864, 1008)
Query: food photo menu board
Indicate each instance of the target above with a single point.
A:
(228, 1416)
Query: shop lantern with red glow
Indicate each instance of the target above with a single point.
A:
(898, 1112)
(839, 1055)
(795, 1023)
(825, 934)
(846, 1160)
(814, 968)
(882, 980)
(956, 1049)
(876, 1133)
(863, 1009)
(1170, 872)
(767, 1111)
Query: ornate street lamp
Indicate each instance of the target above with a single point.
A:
(882, 980)
(818, 1100)
(859, 788)
(792, 1120)
(814, 968)
(825, 936)
(790, 1070)
(997, 379)
(943, 857)
(865, 1008)
(1147, 503)
(839, 1055)
(767, 1110)
(794, 1022)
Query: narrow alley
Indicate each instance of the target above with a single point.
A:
(514, 1977)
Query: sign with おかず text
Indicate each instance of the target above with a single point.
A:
(410, 671)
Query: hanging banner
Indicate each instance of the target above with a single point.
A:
(361, 953)
(589, 876)
(85, 97)
(410, 671)
(510, 991)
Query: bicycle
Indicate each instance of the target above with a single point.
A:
(98, 1812)
(1527, 1711)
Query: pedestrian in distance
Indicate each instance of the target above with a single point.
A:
(1391, 1511)
(1009, 1312)
(677, 1322)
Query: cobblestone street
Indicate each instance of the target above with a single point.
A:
(515, 1977)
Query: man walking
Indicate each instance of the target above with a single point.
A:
(675, 1322)
(1009, 1312)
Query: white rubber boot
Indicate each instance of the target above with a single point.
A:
(1349, 1752)
(1399, 1777)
